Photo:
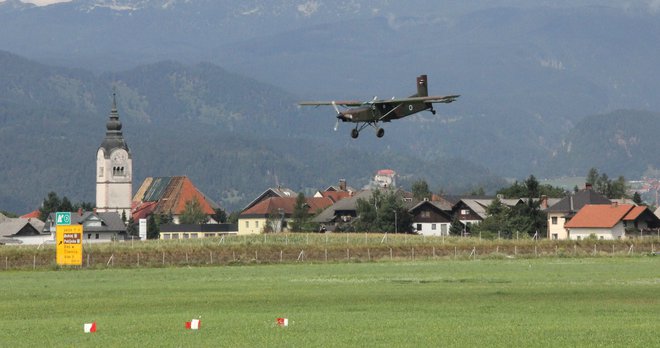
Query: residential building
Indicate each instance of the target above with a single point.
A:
(169, 195)
(562, 211)
(23, 231)
(185, 231)
(274, 214)
(611, 221)
(98, 226)
(432, 218)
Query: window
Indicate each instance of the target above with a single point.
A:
(419, 227)
(443, 229)
(426, 214)
(256, 224)
(166, 236)
(465, 211)
(97, 236)
(186, 236)
(89, 236)
(175, 236)
(247, 224)
(193, 235)
(555, 236)
(433, 227)
(554, 220)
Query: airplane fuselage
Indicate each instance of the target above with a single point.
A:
(383, 112)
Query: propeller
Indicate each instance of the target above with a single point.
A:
(338, 114)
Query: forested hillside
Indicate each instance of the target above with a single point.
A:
(233, 136)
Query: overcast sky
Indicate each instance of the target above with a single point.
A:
(42, 2)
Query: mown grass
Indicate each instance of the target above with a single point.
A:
(532, 302)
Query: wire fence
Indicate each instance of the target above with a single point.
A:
(316, 248)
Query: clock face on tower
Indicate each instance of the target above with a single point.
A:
(118, 157)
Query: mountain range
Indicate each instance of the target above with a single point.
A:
(549, 88)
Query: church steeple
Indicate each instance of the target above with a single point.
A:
(113, 135)
(114, 163)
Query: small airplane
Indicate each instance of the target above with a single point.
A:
(370, 113)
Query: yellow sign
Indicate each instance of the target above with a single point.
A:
(69, 244)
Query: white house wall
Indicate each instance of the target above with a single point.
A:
(432, 229)
(616, 232)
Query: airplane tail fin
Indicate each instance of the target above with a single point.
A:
(422, 87)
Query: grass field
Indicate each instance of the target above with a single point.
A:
(484, 303)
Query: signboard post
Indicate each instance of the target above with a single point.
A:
(68, 240)
(143, 229)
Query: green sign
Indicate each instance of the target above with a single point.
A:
(63, 218)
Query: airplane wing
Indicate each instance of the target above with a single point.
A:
(430, 99)
(346, 103)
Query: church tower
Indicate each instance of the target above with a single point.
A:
(114, 169)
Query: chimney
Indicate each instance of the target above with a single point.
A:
(342, 184)
(615, 204)
(544, 202)
(80, 211)
(588, 186)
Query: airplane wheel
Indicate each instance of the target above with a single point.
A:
(354, 133)
(380, 132)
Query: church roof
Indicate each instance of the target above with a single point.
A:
(168, 195)
(114, 138)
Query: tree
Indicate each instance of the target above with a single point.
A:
(531, 188)
(456, 228)
(193, 213)
(383, 212)
(153, 231)
(50, 204)
(220, 215)
(132, 228)
(637, 198)
(420, 190)
(300, 216)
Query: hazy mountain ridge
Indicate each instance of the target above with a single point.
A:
(232, 135)
(528, 72)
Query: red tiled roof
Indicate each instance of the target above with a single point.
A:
(31, 215)
(170, 196)
(634, 213)
(336, 195)
(287, 204)
(599, 216)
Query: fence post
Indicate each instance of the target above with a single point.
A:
(348, 254)
(34, 261)
(413, 254)
(163, 258)
(6, 262)
(434, 252)
(391, 258)
(368, 255)
(281, 255)
(256, 255)
(211, 256)
(326, 253)
(138, 260)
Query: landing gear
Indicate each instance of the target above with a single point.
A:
(354, 133)
(380, 132)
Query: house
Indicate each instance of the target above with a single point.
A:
(186, 231)
(432, 218)
(98, 227)
(169, 195)
(275, 214)
(472, 210)
(345, 210)
(272, 192)
(23, 231)
(611, 221)
(337, 193)
(562, 211)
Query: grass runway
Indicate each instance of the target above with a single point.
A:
(593, 302)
